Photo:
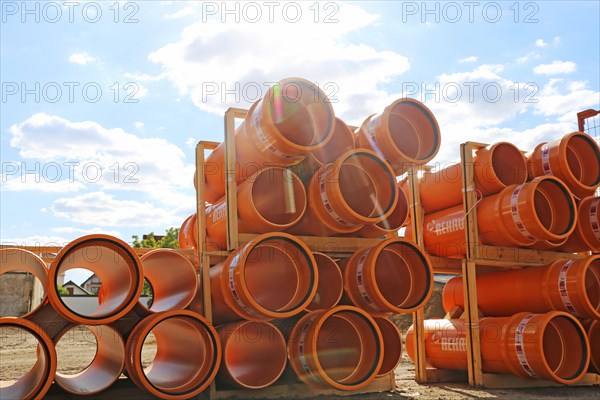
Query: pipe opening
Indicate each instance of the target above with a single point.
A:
(508, 164)
(392, 340)
(331, 284)
(420, 137)
(279, 196)
(564, 348)
(28, 279)
(404, 134)
(342, 140)
(398, 217)
(551, 201)
(593, 333)
(583, 159)
(357, 189)
(292, 121)
(592, 284)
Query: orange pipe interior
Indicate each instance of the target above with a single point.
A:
(392, 340)
(35, 383)
(331, 284)
(390, 224)
(13, 259)
(592, 329)
(105, 368)
(116, 265)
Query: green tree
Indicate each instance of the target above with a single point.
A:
(168, 241)
(62, 290)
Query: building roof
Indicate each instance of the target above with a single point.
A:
(71, 283)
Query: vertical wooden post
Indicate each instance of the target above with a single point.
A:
(230, 180)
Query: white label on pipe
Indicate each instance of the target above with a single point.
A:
(325, 199)
(361, 283)
(514, 210)
(234, 292)
(520, 348)
(562, 287)
(262, 137)
(546, 159)
(301, 345)
(594, 217)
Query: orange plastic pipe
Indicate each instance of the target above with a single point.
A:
(36, 382)
(342, 140)
(331, 284)
(496, 167)
(105, 368)
(341, 348)
(519, 215)
(390, 224)
(586, 235)
(187, 233)
(571, 286)
(406, 133)
(391, 277)
(13, 259)
(392, 343)
(292, 119)
(254, 355)
(271, 200)
(272, 276)
(116, 265)
(544, 346)
(574, 158)
(592, 329)
(359, 188)
(188, 354)
(173, 280)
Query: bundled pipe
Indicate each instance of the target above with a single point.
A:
(391, 277)
(105, 368)
(331, 284)
(586, 235)
(406, 133)
(359, 188)
(495, 167)
(272, 276)
(565, 285)
(592, 329)
(117, 266)
(532, 346)
(188, 354)
(392, 340)
(36, 382)
(339, 348)
(294, 118)
(254, 355)
(13, 259)
(520, 215)
(574, 158)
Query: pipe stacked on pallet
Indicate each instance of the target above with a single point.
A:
(533, 324)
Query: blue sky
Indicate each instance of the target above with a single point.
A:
(103, 102)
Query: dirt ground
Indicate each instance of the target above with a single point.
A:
(18, 353)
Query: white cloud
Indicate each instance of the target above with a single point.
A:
(81, 58)
(184, 12)
(564, 99)
(191, 142)
(556, 41)
(138, 125)
(522, 59)
(80, 232)
(42, 183)
(554, 68)
(469, 59)
(36, 240)
(541, 43)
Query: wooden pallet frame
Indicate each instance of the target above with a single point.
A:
(486, 258)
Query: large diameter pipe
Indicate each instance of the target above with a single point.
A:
(271, 200)
(531, 346)
(574, 158)
(105, 368)
(35, 383)
(117, 266)
(565, 285)
(272, 276)
(392, 344)
(342, 140)
(519, 215)
(254, 355)
(359, 188)
(586, 236)
(292, 119)
(406, 133)
(341, 348)
(173, 280)
(391, 277)
(13, 259)
(188, 354)
(592, 329)
(496, 167)
(331, 283)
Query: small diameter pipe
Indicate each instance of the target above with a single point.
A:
(173, 279)
(406, 133)
(272, 276)
(105, 368)
(531, 346)
(574, 158)
(392, 344)
(117, 266)
(586, 236)
(331, 284)
(254, 355)
(13, 259)
(36, 382)
(340, 348)
(391, 277)
(571, 286)
(188, 354)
